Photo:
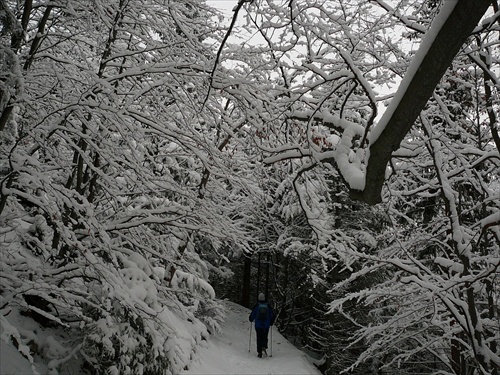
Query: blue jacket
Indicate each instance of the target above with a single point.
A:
(266, 323)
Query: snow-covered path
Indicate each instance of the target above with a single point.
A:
(227, 352)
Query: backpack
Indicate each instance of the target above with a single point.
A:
(262, 312)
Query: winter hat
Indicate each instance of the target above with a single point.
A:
(262, 297)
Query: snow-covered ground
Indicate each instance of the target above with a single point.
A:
(12, 362)
(227, 352)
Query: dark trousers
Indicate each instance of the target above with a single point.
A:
(261, 338)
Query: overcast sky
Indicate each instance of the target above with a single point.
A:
(224, 5)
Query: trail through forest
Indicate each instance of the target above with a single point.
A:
(227, 352)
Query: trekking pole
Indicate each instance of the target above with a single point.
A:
(271, 342)
(250, 339)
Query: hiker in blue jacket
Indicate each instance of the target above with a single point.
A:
(263, 315)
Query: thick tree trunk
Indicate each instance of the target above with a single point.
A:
(268, 262)
(257, 289)
(245, 292)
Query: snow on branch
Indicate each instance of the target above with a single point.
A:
(348, 162)
(448, 32)
(191, 282)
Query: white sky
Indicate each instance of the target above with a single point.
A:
(225, 6)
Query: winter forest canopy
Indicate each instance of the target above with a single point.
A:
(152, 164)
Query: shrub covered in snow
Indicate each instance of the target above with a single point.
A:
(100, 202)
(109, 314)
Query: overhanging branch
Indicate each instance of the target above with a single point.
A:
(453, 33)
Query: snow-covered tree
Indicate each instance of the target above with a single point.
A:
(107, 140)
(132, 138)
(437, 296)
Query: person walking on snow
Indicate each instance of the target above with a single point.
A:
(263, 315)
